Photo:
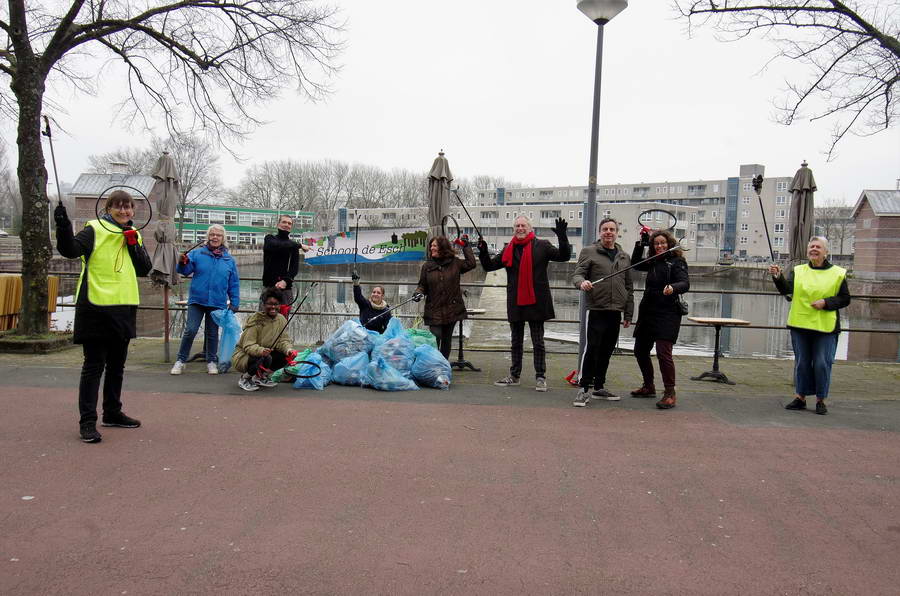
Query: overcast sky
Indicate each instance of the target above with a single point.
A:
(505, 88)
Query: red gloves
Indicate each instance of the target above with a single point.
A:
(184, 260)
(291, 358)
(285, 310)
(131, 236)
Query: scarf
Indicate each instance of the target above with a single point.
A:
(525, 286)
(216, 252)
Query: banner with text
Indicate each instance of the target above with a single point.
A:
(407, 244)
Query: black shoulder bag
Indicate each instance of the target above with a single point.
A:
(682, 305)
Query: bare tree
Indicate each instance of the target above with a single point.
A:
(850, 47)
(196, 64)
(834, 221)
(137, 161)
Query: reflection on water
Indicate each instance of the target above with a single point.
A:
(337, 300)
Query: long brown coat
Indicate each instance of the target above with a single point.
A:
(439, 281)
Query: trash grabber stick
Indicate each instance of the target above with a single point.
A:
(456, 192)
(757, 186)
(49, 134)
(650, 258)
(356, 241)
(381, 314)
(296, 310)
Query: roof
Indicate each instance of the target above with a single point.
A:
(883, 202)
(92, 185)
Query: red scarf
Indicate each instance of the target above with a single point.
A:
(525, 287)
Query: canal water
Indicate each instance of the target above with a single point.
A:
(332, 301)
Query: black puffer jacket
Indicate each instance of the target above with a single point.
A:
(281, 259)
(439, 281)
(658, 315)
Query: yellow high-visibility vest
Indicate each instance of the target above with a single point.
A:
(111, 279)
(811, 285)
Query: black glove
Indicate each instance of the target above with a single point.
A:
(645, 238)
(60, 216)
(417, 297)
(482, 246)
(560, 228)
(234, 307)
(354, 277)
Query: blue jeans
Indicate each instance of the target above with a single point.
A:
(196, 314)
(813, 357)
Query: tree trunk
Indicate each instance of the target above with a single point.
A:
(28, 86)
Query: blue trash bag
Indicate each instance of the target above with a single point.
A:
(231, 333)
(349, 339)
(350, 370)
(431, 369)
(384, 377)
(318, 382)
(398, 352)
(393, 329)
(375, 339)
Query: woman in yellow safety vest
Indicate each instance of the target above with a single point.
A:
(818, 290)
(112, 258)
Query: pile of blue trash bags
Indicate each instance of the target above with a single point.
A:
(397, 360)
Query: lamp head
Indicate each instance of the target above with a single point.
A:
(601, 10)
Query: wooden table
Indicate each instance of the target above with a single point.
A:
(461, 363)
(715, 374)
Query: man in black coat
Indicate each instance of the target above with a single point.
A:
(281, 260)
(528, 297)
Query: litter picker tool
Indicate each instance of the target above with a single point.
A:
(356, 240)
(296, 310)
(757, 186)
(49, 134)
(381, 314)
(456, 192)
(650, 258)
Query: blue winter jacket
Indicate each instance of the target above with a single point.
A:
(215, 280)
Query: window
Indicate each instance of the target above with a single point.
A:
(507, 215)
(779, 242)
(696, 190)
(244, 218)
(745, 227)
(693, 217)
(715, 188)
(188, 216)
(779, 228)
(780, 200)
(746, 186)
(546, 193)
(715, 215)
(202, 216)
(246, 237)
(216, 217)
(257, 220)
(745, 200)
(780, 213)
(389, 217)
(781, 186)
(579, 215)
(745, 213)
(229, 237)
(187, 236)
(701, 214)
(571, 215)
(744, 240)
(550, 214)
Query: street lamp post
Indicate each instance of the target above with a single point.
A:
(600, 12)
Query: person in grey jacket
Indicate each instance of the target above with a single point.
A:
(606, 302)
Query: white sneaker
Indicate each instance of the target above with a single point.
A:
(212, 368)
(177, 368)
(540, 384)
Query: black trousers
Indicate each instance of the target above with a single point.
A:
(517, 333)
(99, 356)
(444, 335)
(602, 333)
(273, 361)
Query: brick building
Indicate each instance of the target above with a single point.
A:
(877, 235)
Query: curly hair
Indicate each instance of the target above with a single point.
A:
(444, 248)
(670, 241)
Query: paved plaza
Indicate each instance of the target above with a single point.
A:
(477, 490)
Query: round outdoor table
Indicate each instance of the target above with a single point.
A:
(715, 375)
(461, 363)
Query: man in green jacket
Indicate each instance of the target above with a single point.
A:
(607, 301)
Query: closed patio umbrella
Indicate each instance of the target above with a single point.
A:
(439, 179)
(802, 219)
(166, 192)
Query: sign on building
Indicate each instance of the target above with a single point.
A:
(405, 244)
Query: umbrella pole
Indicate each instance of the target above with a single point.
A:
(166, 319)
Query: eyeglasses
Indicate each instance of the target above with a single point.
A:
(123, 207)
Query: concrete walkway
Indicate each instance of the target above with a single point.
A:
(476, 490)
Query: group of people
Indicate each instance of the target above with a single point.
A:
(113, 257)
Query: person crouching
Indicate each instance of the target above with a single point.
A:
(263, 347)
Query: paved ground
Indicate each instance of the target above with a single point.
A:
(479, 490)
